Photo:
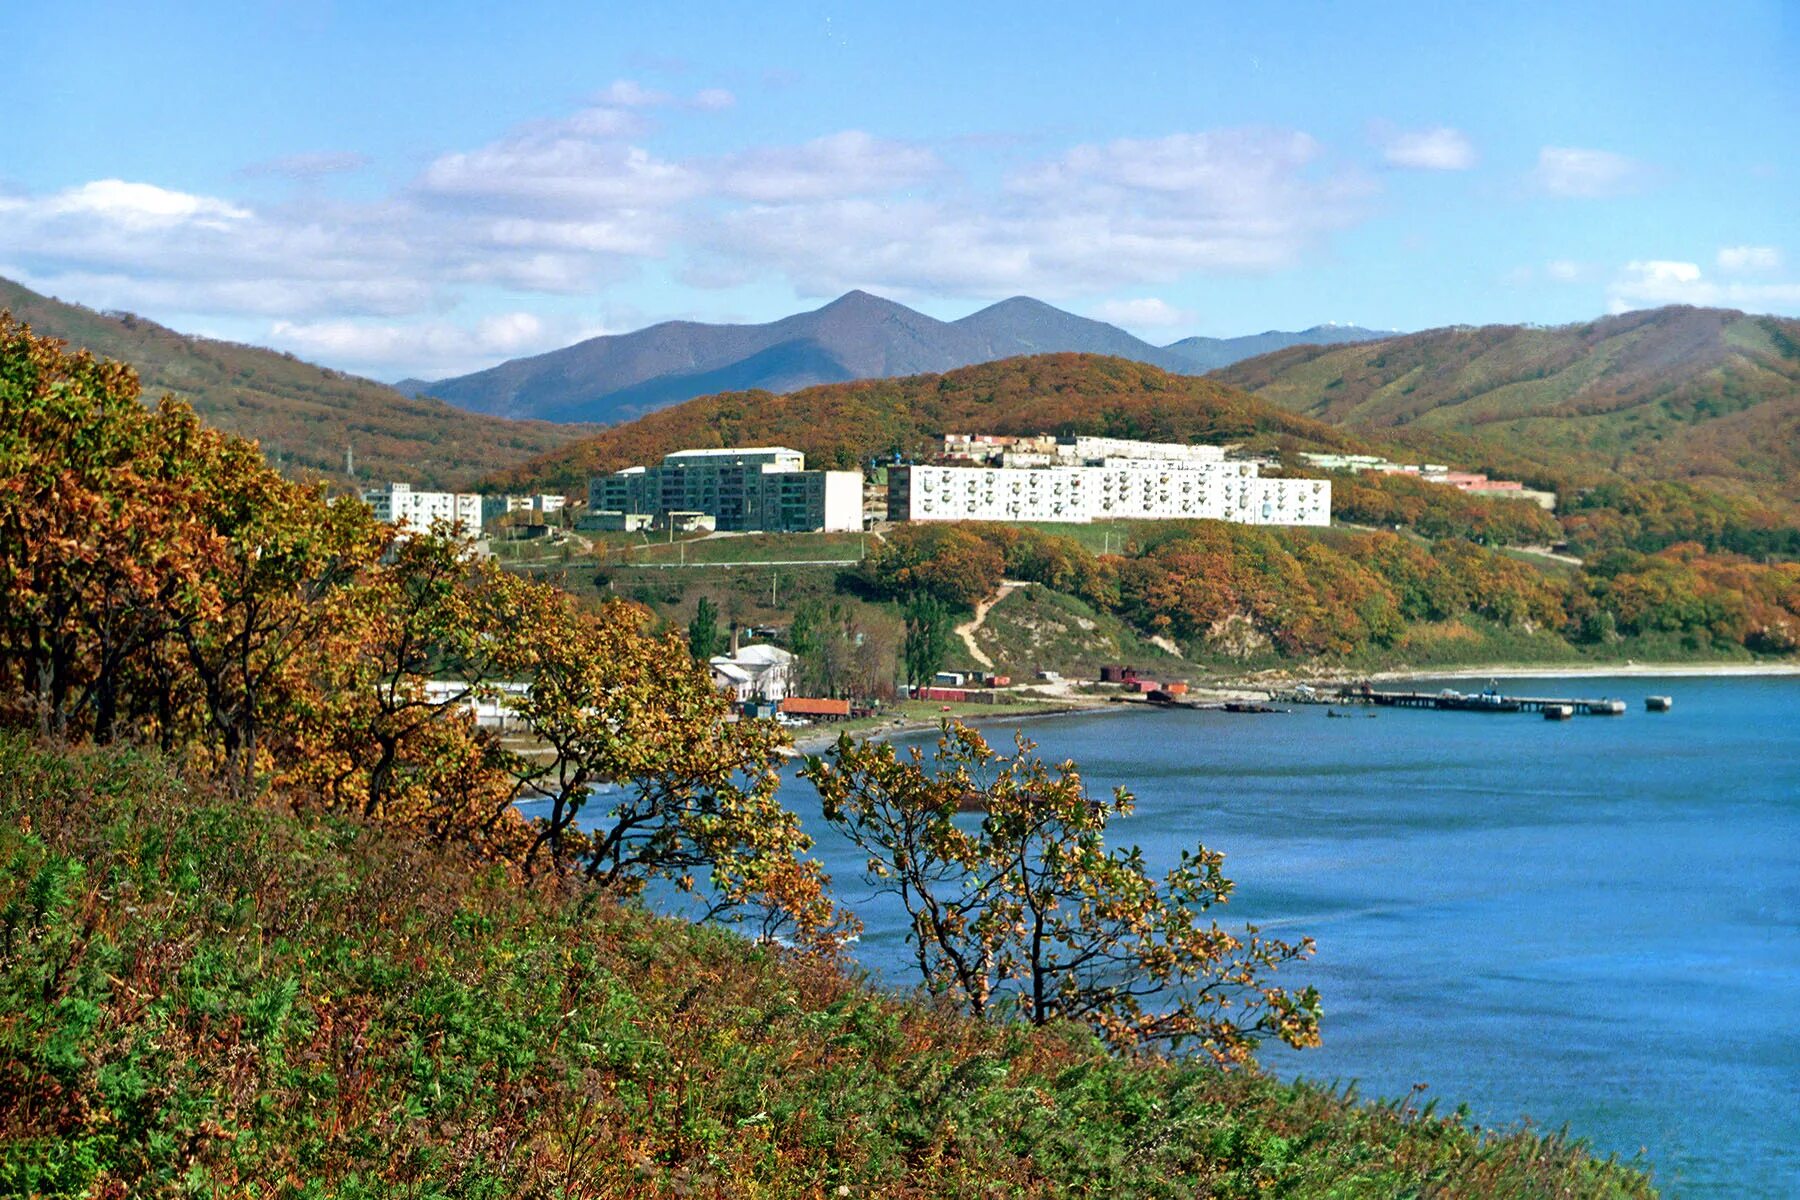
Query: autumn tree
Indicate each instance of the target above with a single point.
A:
(92, 542)
(275, 551)
(413, 647)
(1024, 910)
(927, 638)
(955, 563)
(838, 653)
(639, 767)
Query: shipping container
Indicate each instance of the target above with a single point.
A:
(808, 706)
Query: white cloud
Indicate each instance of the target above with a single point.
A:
(439, 347)
(631, 94)
(1148, 312)
(1749, 259)
(1651, 283)
(1564, 270)
(850, 163)
(576, 166)
(712, 100)
(1586, 174)
(1439, 149)
(570, 204)
(1118, 214)
(142, 205)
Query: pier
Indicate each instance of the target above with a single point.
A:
(1488, 701)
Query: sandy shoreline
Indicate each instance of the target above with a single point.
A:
(1589, 671)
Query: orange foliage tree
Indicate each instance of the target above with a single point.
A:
(159, 580)
(1026, 911)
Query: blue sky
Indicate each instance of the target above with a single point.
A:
(426, 189)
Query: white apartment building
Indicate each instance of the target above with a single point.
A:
(1120, 489)
(419, 512)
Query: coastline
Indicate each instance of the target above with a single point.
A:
(1592, 671)
(1258, 688)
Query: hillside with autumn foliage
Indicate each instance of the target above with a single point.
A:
(843, 425)
(1702, 396)
(303, 416)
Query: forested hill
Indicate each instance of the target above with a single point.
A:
(1700, 395)
(845, 424)
(303, 415)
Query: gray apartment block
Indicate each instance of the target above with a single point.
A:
(762, 489)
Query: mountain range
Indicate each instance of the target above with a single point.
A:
(304, 416)
(618, 377)
(845, 425)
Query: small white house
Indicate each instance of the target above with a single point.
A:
(759, 672)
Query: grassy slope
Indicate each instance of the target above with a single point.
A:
(1037, 629)
(302, 414)
(844, 424)
(1701, 395)
(204, 998)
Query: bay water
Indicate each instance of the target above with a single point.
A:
(1592, 923)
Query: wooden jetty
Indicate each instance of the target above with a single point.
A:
(1488, 701)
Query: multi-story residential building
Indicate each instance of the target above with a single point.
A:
(764, 488)
(541, 505)
(1130, 490)
(420, 512)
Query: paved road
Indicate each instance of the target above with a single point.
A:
(786, 562)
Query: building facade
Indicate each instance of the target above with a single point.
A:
(541, 505)
(419, 512)
(756, 489)
(1131, 489)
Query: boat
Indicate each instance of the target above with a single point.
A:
(1487, 700)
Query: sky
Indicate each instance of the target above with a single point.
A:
(410, 189)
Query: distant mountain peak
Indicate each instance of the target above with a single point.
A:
(858, 335)
(1029, 303)
(856, 298)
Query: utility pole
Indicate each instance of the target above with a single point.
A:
(349, 460)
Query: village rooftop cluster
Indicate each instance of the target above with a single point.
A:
(1465, 481)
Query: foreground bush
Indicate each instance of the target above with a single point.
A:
(200, 996)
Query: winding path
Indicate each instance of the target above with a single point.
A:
(966, 631)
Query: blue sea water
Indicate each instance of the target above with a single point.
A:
(1593, 923)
